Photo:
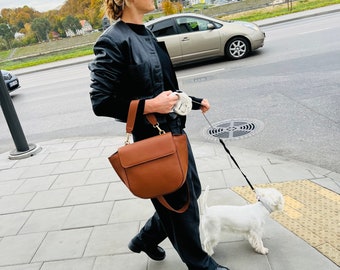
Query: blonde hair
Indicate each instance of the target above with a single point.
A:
(114, 8)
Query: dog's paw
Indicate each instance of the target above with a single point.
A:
(208, 249)
(210, 252)
(263, 251)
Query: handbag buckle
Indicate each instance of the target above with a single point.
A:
(127, 141)
(161, 131)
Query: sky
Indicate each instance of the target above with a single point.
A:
(39, 5)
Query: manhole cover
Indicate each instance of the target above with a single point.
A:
(234, 129)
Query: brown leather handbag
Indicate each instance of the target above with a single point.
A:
(155, 166)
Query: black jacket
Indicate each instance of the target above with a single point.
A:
(126, 67)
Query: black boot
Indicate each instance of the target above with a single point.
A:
(154, 252)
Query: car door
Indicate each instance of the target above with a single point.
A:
(165, 31)
(197, 39)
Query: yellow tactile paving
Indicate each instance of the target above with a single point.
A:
(311, 212)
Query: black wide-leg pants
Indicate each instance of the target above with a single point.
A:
(181, 229)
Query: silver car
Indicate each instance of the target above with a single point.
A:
(11, 81)
(192, 37)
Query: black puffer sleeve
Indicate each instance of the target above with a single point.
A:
(107, 70)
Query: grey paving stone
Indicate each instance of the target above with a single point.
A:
(77, 264)
(206, 164)
(11, 224)
(36, 184)
(19, 249)
(121, 262)
(75, 140)
(14, 203)
(39, 170)
(70, 166)
(118, 191)
(88, 143)
(109, 150)
(215, 179)
(328, 183)
(286, 172)
(87, 194)
(11, 173)
(117, 141)
(246, 158)
(5, 162)
(203, 150)
(224, 197)
(33, 266)
(255, 175)
(58, 145)
(88, 153)
(239, 255)
(71, 179)
(131, 210)
(58, 156)
(62, 245)
(9, 187)
(46, 220)
(335, 176)
(106, 175)
(48, 199)
(31, 161)
(98, 163)
(111, 239)
(89, 215)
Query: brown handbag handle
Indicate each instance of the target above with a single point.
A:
(132, 116)
(153, 120)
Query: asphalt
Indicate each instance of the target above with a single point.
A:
(63, 207)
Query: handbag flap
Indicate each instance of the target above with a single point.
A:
(146, 150)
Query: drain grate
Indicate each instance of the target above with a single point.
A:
(234, 129)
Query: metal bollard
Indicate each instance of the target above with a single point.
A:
(23, 149)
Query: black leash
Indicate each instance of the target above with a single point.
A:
(231, 156)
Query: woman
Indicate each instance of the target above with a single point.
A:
(130, 64)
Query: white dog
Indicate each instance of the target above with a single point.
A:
(247, 220)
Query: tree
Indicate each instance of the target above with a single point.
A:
(171, 7)
(94, 13)
(41, 27)
(71, 23)
(7, 34)
(290, 4)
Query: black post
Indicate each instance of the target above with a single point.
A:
(23, 149)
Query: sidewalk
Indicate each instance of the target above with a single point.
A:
(65, 209)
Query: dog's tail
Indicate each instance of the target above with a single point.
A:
(204, 200)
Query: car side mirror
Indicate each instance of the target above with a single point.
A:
(211, 26)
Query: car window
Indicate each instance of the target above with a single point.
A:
(190, 24)
(163, 28)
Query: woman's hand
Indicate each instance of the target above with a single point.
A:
(205, 106)
(163, 103)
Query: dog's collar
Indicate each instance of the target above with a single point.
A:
(265, 205)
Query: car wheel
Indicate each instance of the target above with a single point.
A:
(237, 48)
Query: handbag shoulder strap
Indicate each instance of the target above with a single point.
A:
(184, 208)
(132, 116)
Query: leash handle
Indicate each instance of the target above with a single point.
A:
(231, 156)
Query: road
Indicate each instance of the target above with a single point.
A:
(291, 86)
